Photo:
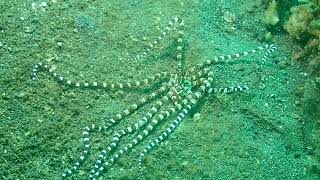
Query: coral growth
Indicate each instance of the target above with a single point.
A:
(297, 25)
(304, 26)
(271, 17)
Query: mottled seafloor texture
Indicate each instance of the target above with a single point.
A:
(263, 133)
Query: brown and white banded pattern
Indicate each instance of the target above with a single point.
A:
(167, 106)
(175, 25)
(94, 84)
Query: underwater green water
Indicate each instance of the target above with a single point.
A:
(270, 131)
